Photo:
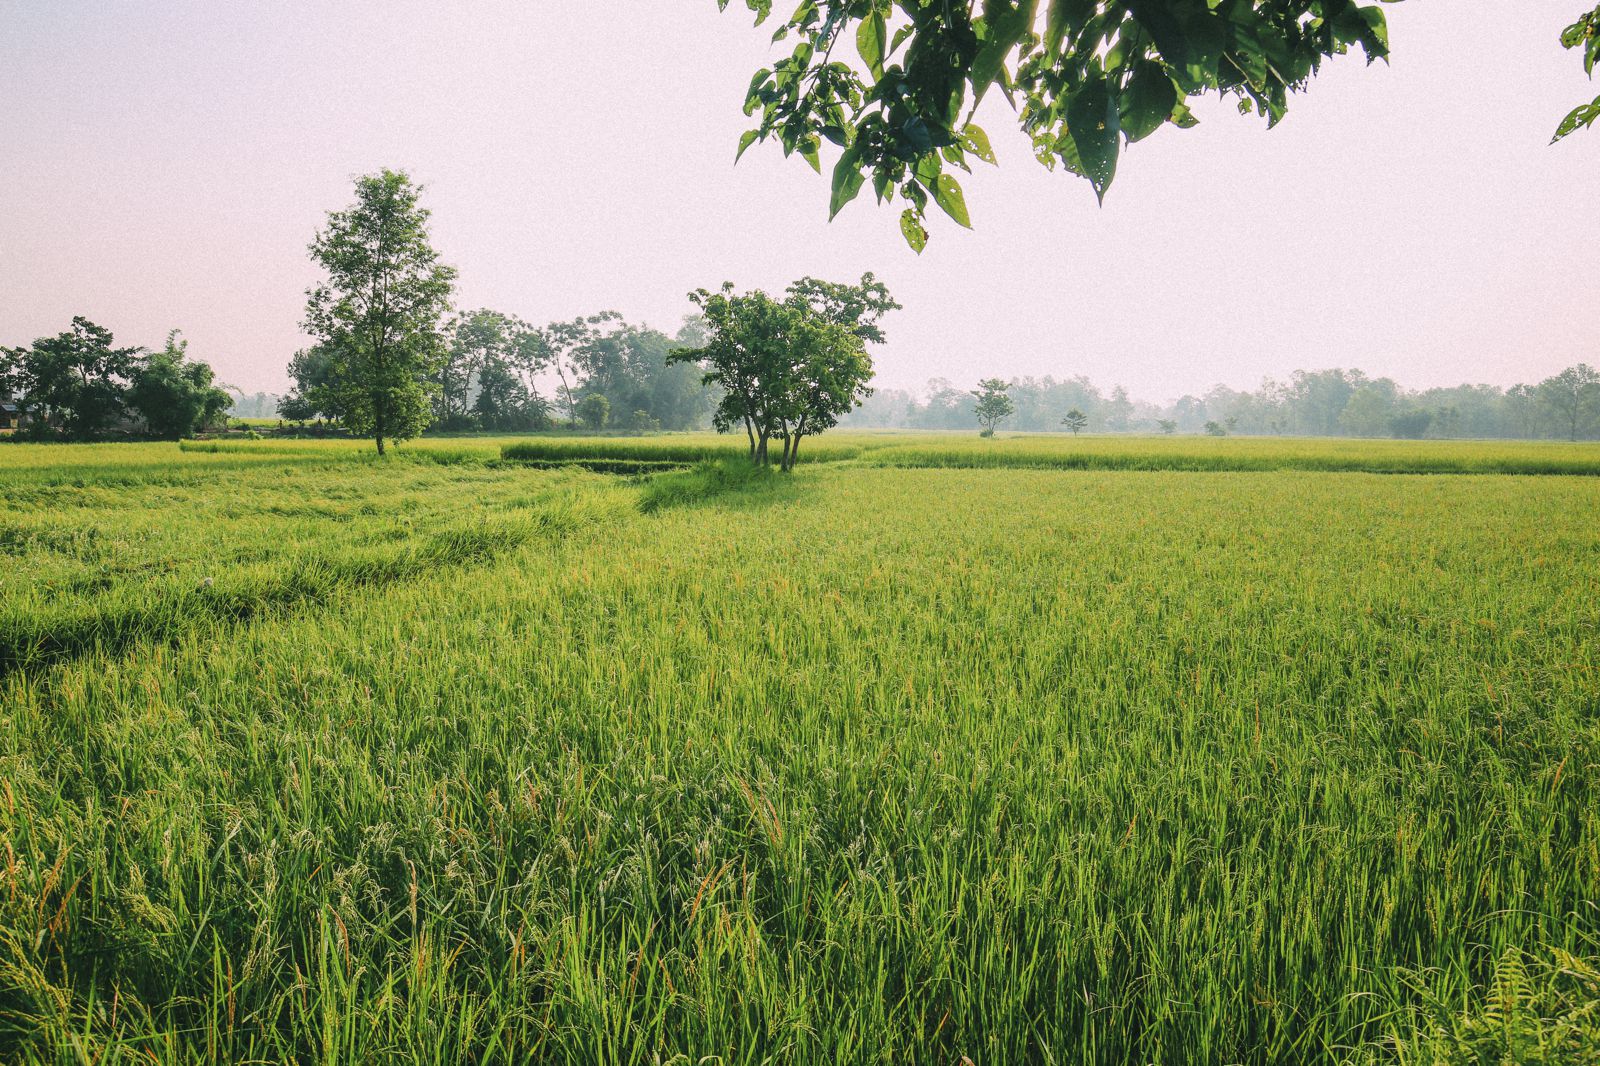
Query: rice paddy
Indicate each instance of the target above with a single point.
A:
(920, 755)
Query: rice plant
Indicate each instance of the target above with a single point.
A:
(877, 763)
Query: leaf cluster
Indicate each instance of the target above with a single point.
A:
(1583, 35)
(1085, 77)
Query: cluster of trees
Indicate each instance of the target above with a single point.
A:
(791, 368)
(391, 357)
(1564, 406)
(78, 385)
(496, 372)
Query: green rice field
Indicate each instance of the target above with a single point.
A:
(940, 750)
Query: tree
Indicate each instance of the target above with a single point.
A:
(564, 344)
(312, 396)
(1168, 426)
(594, 410)
(73, 384)
(1075, 421)
(1085, 77)
(377, 315)
(1119, 410)
(993, 406)
(828, 378)
(1572, 396)
(1521, 403)
(1216, 429)
(786, 370)
(1368, 411)
(496, 355)
(629, 365)
(1410, 425)
(175, 396)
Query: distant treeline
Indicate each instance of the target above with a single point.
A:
(1332, 403)
(499, 373)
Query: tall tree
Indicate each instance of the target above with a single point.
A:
(73, 384)
(1574, 396)
(378, 313)
(175, 395)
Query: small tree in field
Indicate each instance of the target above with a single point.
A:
(1168, 426)
(788, 368)
(1075, 421)
(377, 316)
(993, 406)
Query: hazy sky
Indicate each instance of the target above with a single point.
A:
(165, 164)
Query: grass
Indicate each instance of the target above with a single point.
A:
(675, 447)
(873, 763)
(1059, 452)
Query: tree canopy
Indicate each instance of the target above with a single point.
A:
(894, 84)
(377, 316)
(73, 384)
(77, 385)
(175, 395)
(789, 368)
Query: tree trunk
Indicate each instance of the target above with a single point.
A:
(751, 433)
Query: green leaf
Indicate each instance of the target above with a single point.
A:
(745, 141)
(1004, 24)
(1581, 117)
(1064, 18)
(912, 230)
(1147, 100)
(1096, 128)
(947, 194)
(809, 152)
(870, 42)
(1068, 153)
(847, 182)
(1376, 39)
(974, 140)
(1182, 117)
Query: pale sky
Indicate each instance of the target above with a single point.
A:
(164, 164)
